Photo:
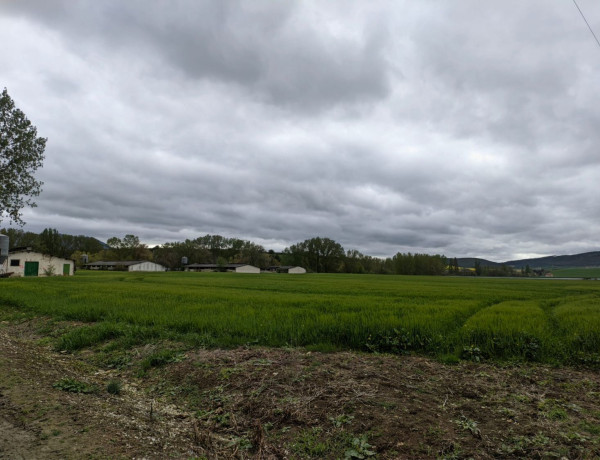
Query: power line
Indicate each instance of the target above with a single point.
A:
(588, 24)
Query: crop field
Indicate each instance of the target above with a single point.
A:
(447, 317)
(577, 273)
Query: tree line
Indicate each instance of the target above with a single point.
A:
(50, 241)
(318, 254)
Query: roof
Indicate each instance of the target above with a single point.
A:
(121, 263)
(208, 266)
(22, 249)
(28, 250)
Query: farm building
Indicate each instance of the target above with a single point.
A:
(286, 269)
(25, 262)
(126, 265)
(291, 270)
(237, 268)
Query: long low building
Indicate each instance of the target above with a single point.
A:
(25, 262)
(291, 269)
(126, 265)
(237, 268)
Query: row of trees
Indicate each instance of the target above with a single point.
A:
(50, 241)
(213, 249)
(324, 255)
(319, 255)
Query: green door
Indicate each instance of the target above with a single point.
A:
(32, 268)
(66, 269)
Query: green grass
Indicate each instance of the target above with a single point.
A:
(510, 329)
(577, 272)
(530, 319)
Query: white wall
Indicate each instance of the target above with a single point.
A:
(247, 269)
(147, 267)
(46, 263)
(296, 270)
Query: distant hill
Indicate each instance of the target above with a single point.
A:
(469, 262)
(104, 245)
(586, 259)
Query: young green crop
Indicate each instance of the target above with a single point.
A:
(548, 320)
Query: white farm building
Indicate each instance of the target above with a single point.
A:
(25, 262)
(126, 265)
(294, 270)
(237, 268)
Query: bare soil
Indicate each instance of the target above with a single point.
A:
(284, 403)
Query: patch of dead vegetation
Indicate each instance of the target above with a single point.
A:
(285, 403)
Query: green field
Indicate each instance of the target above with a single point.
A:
(576, 272)
(473, 318)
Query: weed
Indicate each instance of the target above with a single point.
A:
(449, 358)
(557, 414)
(114, 387)
(160, 358)
(397, 341)
(262, 362)
(227, 372)
(523, 445)
(241, 442)
(470, 425)
(360, 449)
(341, 420)
(522, 398)
(434, 433)
(222, 419)
(471, 353)
(451, 451)
(111, 360)
(74, 386)
(553, 409)
(508, 413)
(216, 395)
(591, 428)
(309, 443)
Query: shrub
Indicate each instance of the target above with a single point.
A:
(114, 387)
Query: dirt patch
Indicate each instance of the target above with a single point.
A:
(285, 403)
(15, 442)
(45, 422)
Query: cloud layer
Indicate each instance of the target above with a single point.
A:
(461, 128)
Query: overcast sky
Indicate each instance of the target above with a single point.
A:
(461, 127)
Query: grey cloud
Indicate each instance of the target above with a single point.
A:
(464, 128)
(271, 49)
